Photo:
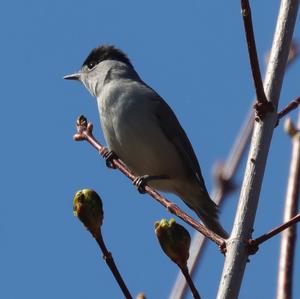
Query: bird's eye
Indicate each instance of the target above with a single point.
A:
(91, 64)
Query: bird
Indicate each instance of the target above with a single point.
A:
(144, 132)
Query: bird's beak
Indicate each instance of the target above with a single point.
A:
(75, 76)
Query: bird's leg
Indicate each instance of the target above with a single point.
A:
(141, 181)
(109, 156)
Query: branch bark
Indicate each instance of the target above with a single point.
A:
(237, 253)
(288, 238)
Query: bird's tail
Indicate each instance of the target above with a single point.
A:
(214, 225)
(207, 211)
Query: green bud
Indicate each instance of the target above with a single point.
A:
(87, 206)
(175, 241)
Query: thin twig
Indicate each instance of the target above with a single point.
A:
(190, 282)
(265, 237)
(288, 238)
(237, 251)
(290, 107)
(262, 105)
(84, 132)
(259, 88)
(107, 256)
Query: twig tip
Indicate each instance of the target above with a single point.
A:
(81, 121)
(78, 137)
(290, 128)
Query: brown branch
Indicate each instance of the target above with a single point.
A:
(290, 107)
(107, 256)
(262, 105)
(190, 282)
(265, 237)
(84, 132)
(259, 87)
(288, 238)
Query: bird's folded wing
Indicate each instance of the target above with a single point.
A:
(175, 133)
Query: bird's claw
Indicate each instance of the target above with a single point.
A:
(109, 156)
(141, 181)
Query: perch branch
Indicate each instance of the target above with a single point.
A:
(84, 132)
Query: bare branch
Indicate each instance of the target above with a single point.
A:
(190, 282)
(265, 237)
(259, 88)
(84, 132)
(288, 238)
(88, 207)
(107, 256)
(262, 105)
(290, 107)
(237, 249)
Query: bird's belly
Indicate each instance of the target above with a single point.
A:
(143, 147)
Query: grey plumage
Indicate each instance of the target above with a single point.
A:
(144, 132)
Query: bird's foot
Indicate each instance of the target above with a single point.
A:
(109, 156)
(141, 181)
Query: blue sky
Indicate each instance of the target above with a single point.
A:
(194, 55)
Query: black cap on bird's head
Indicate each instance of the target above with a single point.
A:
(101, 53)
(105, 52)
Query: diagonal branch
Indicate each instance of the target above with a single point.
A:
(265, 237)
(107, 256)
(290, 107)
(185, 273)
(84, 132)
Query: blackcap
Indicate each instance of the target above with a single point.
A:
(141, 128)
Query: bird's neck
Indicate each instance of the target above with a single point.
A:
(111, 70)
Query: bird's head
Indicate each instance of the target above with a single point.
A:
(97, 68)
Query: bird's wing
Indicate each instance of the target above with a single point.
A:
(175, 133)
